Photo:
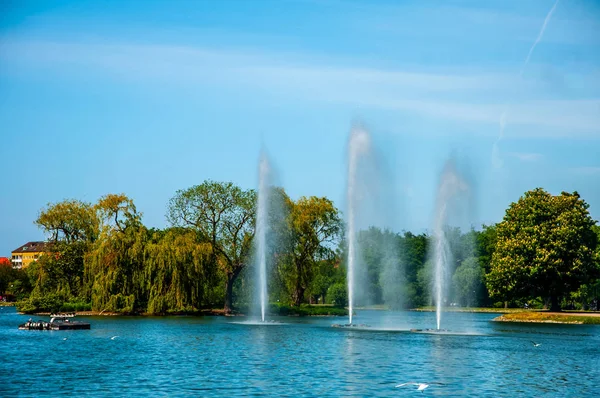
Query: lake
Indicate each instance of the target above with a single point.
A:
(218, 356)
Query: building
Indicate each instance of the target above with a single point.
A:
(28, 253)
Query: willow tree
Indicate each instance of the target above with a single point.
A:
(175, 272)
(224, 216)
(544, 247)
(315, 227)
(114, 265)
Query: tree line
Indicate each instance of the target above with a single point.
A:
(544, 253)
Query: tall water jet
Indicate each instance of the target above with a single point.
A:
(449, 188)
(358, 145)
(262, 225)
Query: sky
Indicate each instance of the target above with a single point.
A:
(149, 97)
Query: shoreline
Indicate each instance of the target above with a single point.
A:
(564, 318)
(206, 312)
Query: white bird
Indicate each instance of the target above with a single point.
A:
(114, 337)
(420, 386)
(536, 344)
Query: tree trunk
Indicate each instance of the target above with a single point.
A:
(298, 295)
(506, 304)
(231, 277)
(554, 303)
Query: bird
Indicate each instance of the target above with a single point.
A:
(420, 386)
(114, 337)
(536, 344)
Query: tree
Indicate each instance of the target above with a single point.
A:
(338, 295)
(73, 226)
(413, 249)
(117, 211)
(224, 216)
(174, 271)
(114, 265)
(7, 275)
(69, 221)
(545, 247)
(315, 226)
(468, 281)
(485, 244)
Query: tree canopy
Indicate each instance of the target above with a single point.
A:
(545, 247)
(224, 216)
(102, 257)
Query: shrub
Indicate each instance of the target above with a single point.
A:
(338, 295)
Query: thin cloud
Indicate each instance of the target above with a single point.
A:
(425, 94)
(526, 157)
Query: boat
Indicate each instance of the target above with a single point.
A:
(57, 322)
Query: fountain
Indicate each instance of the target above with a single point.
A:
(262, 216)
(450, 185)
(359, 145)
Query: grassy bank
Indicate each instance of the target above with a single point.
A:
(581, 318)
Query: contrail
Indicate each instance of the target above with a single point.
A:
(496, 159)
(539, 37)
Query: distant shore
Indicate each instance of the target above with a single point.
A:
(276, 310)
(212, 312)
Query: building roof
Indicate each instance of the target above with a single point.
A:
(32, 247)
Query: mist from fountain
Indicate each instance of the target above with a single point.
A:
(262, 225)
(451, 185)
(359, 145)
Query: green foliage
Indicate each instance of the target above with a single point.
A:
(545, 247)
(425, 283)
(468, 281)
(103, 258)
(314, 227)
(75, 306)
(175, 272)
(7, 276)
(223, 215)
(50, 302)
(338, 295)
(306, 310)
(69, 221)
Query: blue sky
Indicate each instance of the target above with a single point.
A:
(147, 97)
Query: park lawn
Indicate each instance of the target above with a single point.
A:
(551, 317)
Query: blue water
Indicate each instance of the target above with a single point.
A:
(217, 356)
